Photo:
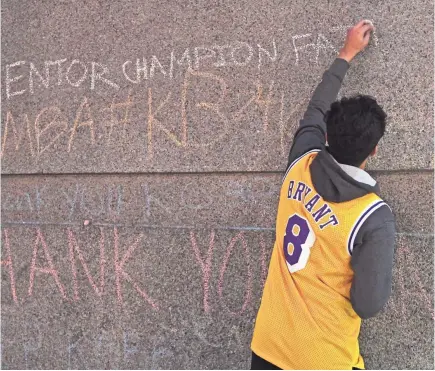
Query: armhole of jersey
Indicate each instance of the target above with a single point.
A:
(369, 210)
(297, 160)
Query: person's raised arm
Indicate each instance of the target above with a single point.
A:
(311, 133)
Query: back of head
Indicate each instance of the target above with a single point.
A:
(354, 127)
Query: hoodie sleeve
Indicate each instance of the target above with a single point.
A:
(372, 263)
(312, 128)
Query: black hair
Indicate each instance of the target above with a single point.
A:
(354, 127)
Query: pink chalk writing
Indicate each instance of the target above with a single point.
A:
(248, 286)
(50, 270)
(119, 270)
(205, 265)
(204, 249)
(74, 246)
(8, 264)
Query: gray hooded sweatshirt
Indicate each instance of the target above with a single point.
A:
(373, 250)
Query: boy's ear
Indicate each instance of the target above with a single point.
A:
(374, 152)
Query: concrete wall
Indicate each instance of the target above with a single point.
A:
(139, 197)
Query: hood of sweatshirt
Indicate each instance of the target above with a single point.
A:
(339, 183)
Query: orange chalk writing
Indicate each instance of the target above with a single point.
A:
(126, 107)
(78, 122)
(18, 134)
(57, 120)
(152, 120)
(213, 107)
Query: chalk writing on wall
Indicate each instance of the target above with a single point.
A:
(115, 202)
(51, 130)
(111, 262)
(28, 77)
(167, 114)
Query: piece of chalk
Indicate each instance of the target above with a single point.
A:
(86, 222)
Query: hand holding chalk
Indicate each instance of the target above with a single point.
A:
(356, 40)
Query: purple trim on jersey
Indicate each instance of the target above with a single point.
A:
(359, 222)
(299, 158)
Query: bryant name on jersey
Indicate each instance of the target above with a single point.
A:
(321, 213)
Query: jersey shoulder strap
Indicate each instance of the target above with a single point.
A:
(374, 204)
(298, 159)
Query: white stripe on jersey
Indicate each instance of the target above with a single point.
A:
(369, 210)
(299, 158)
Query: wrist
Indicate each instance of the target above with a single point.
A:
(346, 55)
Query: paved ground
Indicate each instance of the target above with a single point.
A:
(139, 197)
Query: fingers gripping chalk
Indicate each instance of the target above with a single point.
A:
(370, 31)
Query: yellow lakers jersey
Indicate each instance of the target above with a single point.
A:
(306, 320)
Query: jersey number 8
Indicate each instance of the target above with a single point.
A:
(298, 240)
